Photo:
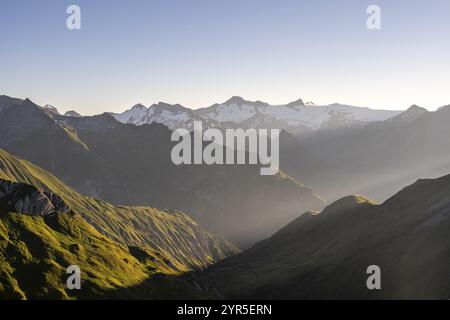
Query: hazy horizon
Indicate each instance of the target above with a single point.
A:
(125, 108)
(200, 53)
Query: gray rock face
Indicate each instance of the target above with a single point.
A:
(27, 199)
(57, 202)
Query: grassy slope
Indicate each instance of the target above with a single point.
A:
(174, 235)
(35, 253)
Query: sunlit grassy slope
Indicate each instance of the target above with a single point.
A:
(107, 239)
(36, 251)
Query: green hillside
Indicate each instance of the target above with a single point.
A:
(35, 252)
(175, 235)
(116, 246)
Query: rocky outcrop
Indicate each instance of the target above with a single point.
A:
(57, 202)
(27, 199)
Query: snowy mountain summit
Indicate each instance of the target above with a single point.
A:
(173, 116)
(295, 117)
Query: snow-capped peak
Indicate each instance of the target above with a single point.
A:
(51, 109)
(171, 115)
(73, 113)
(295, 117)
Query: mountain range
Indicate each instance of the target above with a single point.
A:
(127, 164)
(295, 117)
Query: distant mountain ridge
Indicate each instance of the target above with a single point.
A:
(379, 158)
(172, 116)
(295, 117)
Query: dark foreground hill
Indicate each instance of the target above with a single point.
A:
(326, 255)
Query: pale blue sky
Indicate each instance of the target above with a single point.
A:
(198, 52)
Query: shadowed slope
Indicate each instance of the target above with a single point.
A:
(326, 255)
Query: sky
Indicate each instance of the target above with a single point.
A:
(199, 52)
